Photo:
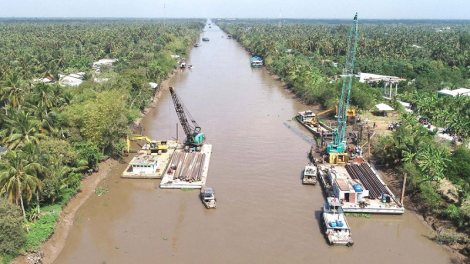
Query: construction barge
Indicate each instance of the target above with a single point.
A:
(187, 169)
(147, 164)
(359, 189)
(308, 119)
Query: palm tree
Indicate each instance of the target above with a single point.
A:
(12, 91)
(18, 178)
(21, 128)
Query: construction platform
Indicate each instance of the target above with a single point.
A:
(359, 188)
(187, 169)
(318, 130)
(146, 165)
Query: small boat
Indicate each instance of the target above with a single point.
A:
(310, 174)
(183, 65)
(197, 45)
(256, 62)
(229, 36)
(334, 224)
(208, 197)
(205, 39)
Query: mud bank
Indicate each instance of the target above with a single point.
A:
(54, 245)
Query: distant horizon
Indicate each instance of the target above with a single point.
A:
(239, 9)
(239, 18)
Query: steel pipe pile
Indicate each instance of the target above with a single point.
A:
(367, 169)
(187, 166)
(355, 172)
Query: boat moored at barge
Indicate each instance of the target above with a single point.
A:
(334, 224)
(310, 174)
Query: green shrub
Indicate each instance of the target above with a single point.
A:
(12, 234)
(430, 196)
(41, 230)
(452, 212)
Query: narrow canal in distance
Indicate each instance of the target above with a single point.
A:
(264, 213)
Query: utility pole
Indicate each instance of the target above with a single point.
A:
(164, 15)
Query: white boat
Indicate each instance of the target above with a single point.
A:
(208, 197)
(310, 174)
(334, 224)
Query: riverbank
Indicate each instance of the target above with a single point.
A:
(393, 181)
(390, 176)
(51, 248)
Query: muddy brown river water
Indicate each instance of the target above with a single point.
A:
(264, 213)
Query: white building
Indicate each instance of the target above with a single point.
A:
(454, 93)
(74, 79)
(106, 62)
(153, 85)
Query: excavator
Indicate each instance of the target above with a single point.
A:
(154, 145)
(194, 137)
(314, 121)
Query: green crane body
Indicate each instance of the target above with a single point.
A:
(338, 144)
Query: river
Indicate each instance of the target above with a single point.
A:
(264, 213)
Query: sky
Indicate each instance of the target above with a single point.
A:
(311, 9)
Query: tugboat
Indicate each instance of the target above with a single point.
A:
(208, 197)
(256, 62)
(334, 224)
(310, 174)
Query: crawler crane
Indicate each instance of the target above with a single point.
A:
(336, 149)
(194, 137)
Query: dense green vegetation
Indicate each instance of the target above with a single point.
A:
(55, 134)
(413, 149)
(430, 56)
(447, 112)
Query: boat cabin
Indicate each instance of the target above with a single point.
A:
(305, 115)
(349, 191)
(208, 197)
(145, 164)
(256, 62)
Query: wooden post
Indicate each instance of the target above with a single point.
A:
(403, 190)
(360, 137)
(368, 142)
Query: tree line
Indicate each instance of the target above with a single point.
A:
(56, 134)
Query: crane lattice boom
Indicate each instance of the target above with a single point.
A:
(338, 145)
(191, 130)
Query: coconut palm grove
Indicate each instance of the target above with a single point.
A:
(53, 134)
